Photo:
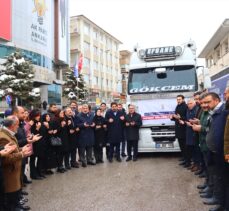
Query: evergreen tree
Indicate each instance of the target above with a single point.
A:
(16, 79)
(74, 88)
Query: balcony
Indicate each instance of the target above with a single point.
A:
(74, 31)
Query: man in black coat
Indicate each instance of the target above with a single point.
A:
(133, 123)
(75, 112)
(22, 139)
(115, 120)
(180, 114)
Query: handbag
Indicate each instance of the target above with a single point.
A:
(55, 141)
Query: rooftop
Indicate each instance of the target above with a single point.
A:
(88, 20)
(213, 43)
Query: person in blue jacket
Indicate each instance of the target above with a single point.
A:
(215, 143)
(86, 135)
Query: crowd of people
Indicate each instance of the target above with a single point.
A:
(202, 130)
(61, 139)
(75, 136)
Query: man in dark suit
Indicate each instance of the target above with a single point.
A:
(133, 123)
(180, 114)
(115, 120)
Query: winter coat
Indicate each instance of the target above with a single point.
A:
(217, 126)
(100, 133)
(72, 137)
(180, 129)
(226, 137)
(21, 134)
(190, 134)
(132, 132)
(11, 164)
(115, 128)
(86, 134)
(63, 133)
(38, 146)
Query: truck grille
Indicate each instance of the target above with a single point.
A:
(163, 131)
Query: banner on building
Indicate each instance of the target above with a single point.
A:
(33, 26)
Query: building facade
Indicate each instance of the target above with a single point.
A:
(124, 65)
(216, 57)
(100, 52)
(39, 29)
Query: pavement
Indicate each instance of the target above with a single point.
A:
(154, 183)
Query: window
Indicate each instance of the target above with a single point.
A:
(54, 94)
(210, 62)
(108, 43)
(95, 34)
(109, 69)
(95, 50)
(86, 29)
(101, 54)
(225, 47)
(86, 79)
(86, 46)
(95, 80)
(35, 58)
(101, 67)
(111, 58)
(102, 81)
(116, 46)
(175, 79)
(86, 62)
(218, 55)
(95, 65)
(101, 37)
(107, 57)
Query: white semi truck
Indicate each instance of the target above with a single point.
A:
(156, 77)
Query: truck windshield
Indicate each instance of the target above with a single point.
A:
(173, 79)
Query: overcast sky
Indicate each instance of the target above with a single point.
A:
(153, 23)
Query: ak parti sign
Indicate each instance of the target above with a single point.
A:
(5, 19)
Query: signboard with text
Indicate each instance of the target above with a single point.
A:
(33, 26)
(156, 112)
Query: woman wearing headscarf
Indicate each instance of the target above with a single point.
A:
(49, 154)
(62, 151)
(38, 147)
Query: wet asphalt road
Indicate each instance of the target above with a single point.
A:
(155, 182)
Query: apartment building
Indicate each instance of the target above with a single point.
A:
(216, 57)
(100, 51)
